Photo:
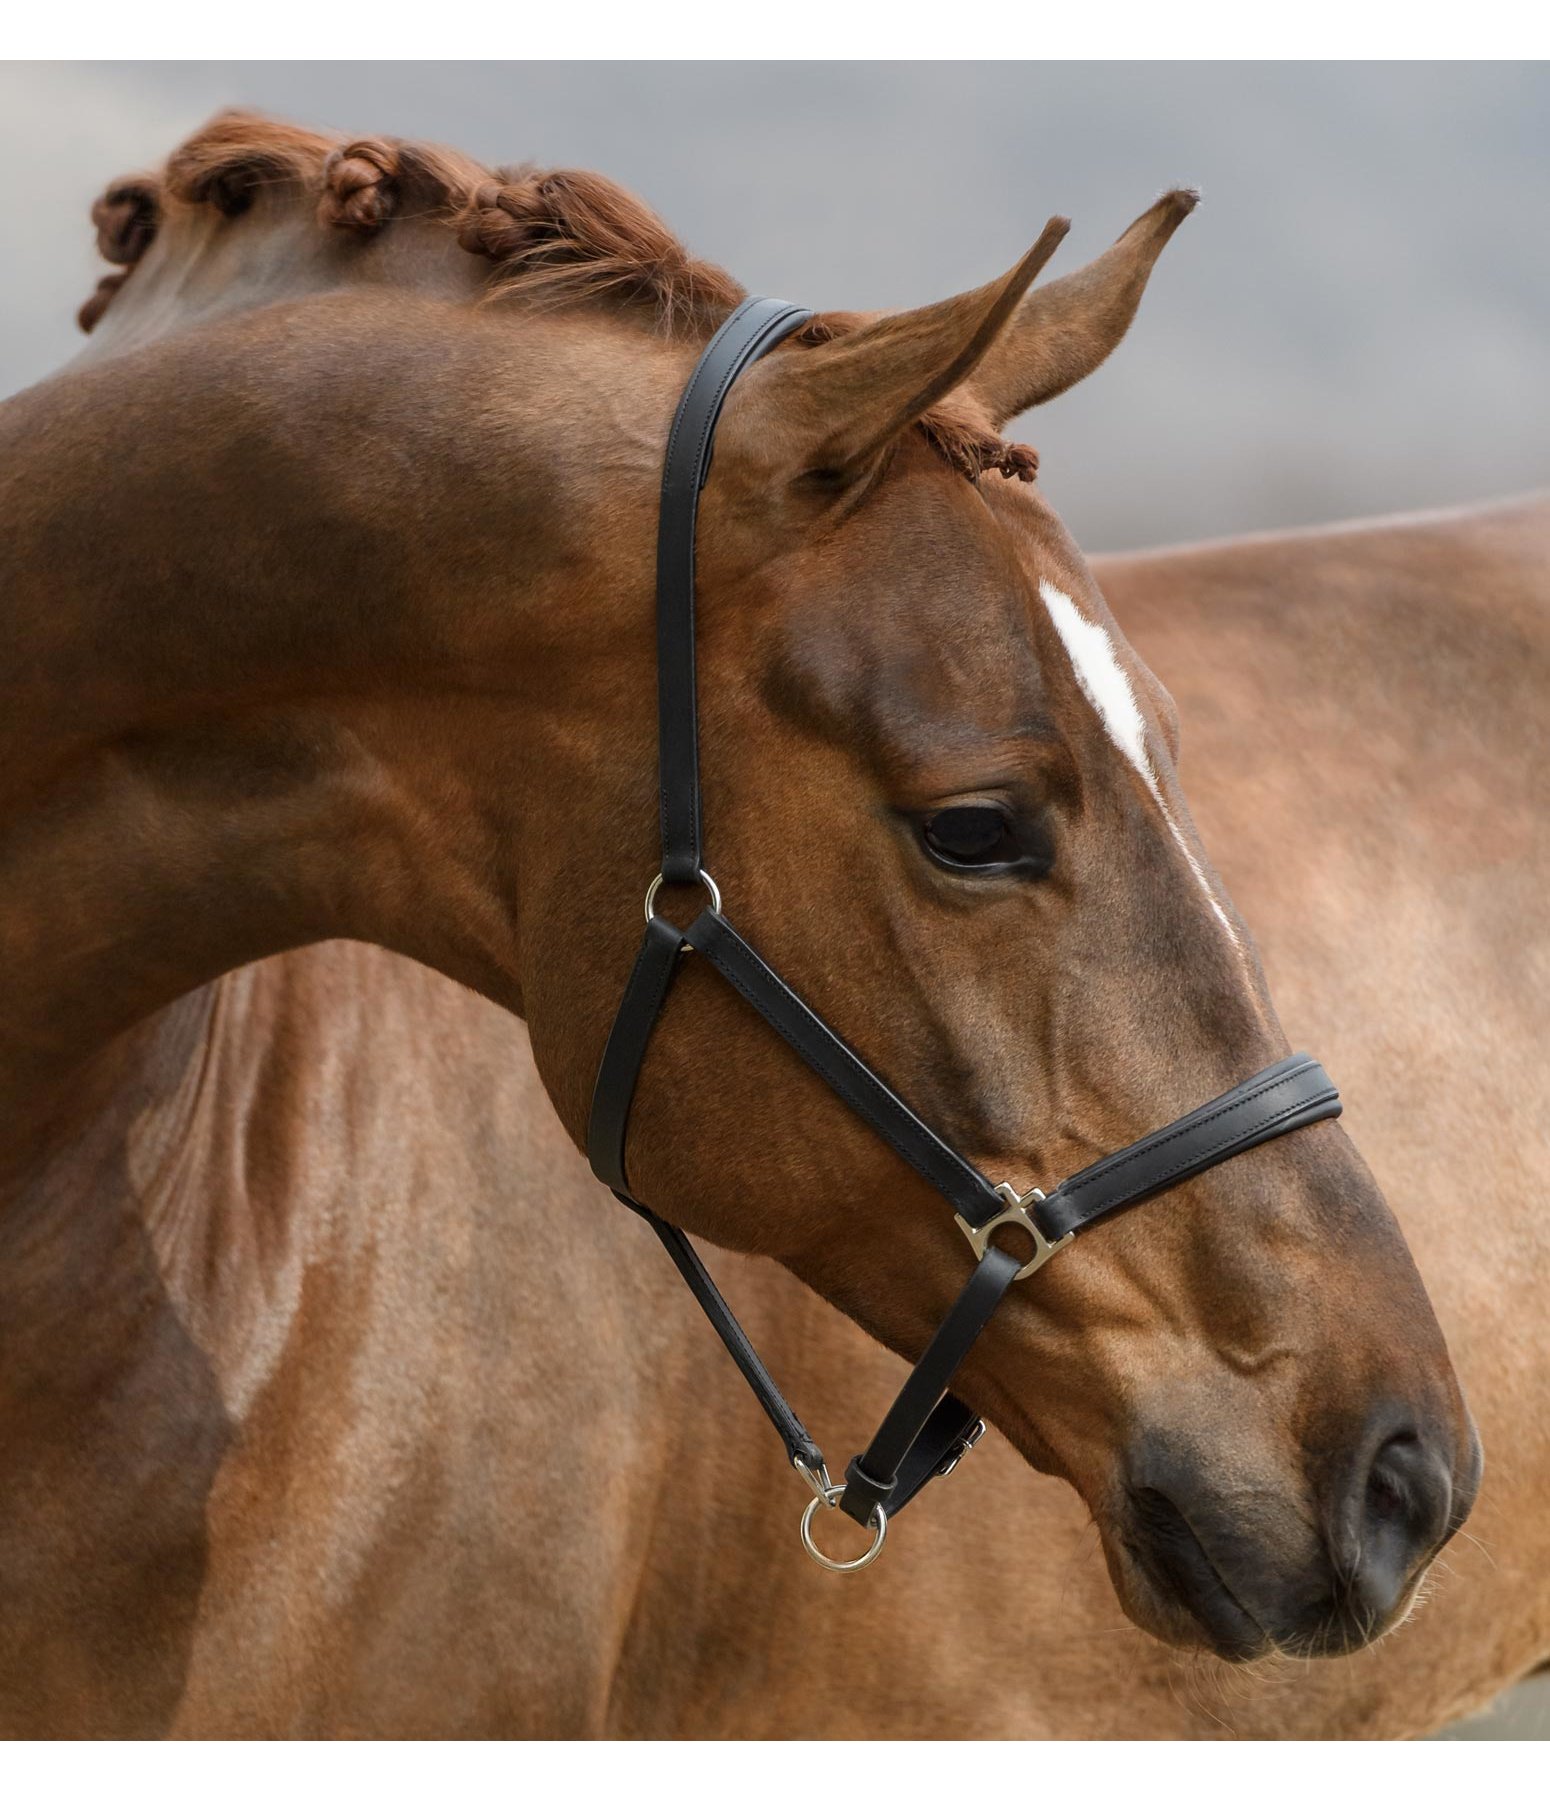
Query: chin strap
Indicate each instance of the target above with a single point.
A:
(927, 1430)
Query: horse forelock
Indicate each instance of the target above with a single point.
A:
(551, 237)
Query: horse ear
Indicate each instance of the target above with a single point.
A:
(1064, 331)
(831, 410)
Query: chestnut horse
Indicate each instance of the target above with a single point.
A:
(337, 1396)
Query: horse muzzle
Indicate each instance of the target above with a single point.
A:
(1311, 1568)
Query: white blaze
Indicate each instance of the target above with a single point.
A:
(1102, 678)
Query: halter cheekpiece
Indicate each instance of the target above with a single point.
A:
(927, 1429)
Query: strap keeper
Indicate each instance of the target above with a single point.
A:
(863, 1495)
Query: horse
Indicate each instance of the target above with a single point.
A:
(339, 1397)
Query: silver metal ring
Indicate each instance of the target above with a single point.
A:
(879, 1524)
(656, 888)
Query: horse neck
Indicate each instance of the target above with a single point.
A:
(289, 593)
(189, 1168)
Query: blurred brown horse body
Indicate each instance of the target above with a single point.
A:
(337, 1397)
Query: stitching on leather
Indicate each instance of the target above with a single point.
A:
(680, 413)
(1107, 1168)
(1086, 1216)
(1110, 1164)
(707, 426)
(629, 1034)
(700, 1281)
(847, 1070)
(838, 1078)
(987, 1285)
(731, 373)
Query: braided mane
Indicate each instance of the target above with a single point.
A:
(551, 236)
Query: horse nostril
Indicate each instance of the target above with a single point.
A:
(1403, 1479)
(1384, 1498)
(1387, 1495)
(1399, 1517)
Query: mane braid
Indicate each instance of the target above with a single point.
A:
(553, 237)
(566, 235)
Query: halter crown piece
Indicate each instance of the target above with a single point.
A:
(927, 1429)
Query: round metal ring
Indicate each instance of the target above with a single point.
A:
(879, 1523)
(705, 882)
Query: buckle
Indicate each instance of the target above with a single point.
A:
(951, 1461)
(1018, 1210)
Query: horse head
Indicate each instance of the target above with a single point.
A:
(941, 794)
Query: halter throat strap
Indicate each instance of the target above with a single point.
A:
(927, 1429)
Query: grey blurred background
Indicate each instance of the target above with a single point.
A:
(1357, 319)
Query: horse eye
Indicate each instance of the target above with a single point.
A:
(971, 837)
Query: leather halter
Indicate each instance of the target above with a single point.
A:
(927, 1429)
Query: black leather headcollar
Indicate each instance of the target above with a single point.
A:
(927, 1428)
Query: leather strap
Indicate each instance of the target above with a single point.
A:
(625, 1051)
(793, 1433)
(927, 1428)
(952, 1430)
(1282, 1098)
(829, 1056)
(755, 327)
(877, 1476)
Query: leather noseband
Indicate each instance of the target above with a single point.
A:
(927, 1429)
